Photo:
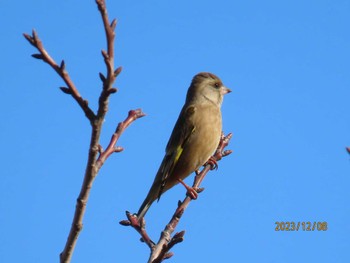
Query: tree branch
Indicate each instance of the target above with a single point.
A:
(93, 166)
(62, 72)
(160, 251)
(96, 156)
(111, 148)
(108, 57)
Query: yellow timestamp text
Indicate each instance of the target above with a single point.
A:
(301, 225)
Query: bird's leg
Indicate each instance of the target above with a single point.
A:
(213, 163)
(191, 192)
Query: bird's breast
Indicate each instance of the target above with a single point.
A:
(205, 138)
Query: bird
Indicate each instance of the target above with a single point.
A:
(195, 137)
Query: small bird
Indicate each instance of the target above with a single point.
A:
(194, 139)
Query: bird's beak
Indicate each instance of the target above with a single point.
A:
(225, 90)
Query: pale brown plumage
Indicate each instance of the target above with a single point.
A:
(195, 136)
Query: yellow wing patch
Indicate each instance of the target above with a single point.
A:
(172, 162)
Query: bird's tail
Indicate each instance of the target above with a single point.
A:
(151, 196)
(144, 208)
(155, 191)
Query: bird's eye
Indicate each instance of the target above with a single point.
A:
(217, 85)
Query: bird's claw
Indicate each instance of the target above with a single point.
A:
(191, 191)
(213, 163)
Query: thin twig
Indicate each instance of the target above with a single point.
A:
(111, 148)
(96, 156)
(108, 57)
(62, 72)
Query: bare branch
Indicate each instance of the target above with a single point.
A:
(132, 116)
(108, 57)
(96, 156)
(94, 163)
(61, 71)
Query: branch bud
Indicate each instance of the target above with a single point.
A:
(38, 56)
(168, 255)
(113, 24)
(118, 149)
(179, 235)
(105, 54)
(29, 38)
(63, 65)
(66, 90)
(35, 35)
(200, 189)
(102, 77)
(228, 152)
(117, 71)
(125, 223)
(112, 90)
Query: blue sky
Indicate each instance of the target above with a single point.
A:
(287, 63)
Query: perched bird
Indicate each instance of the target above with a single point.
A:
(194, 139)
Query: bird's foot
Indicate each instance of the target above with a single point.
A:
(191, 191)
(213, 163)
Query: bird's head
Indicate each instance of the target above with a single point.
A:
(206, 86)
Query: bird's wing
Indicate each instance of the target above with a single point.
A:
(182, 131)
